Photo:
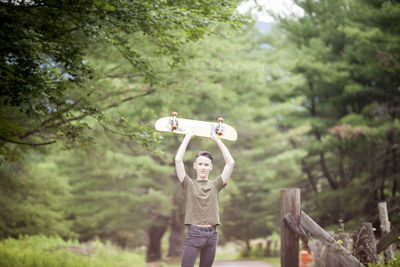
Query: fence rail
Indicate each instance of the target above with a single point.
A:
(296, 225)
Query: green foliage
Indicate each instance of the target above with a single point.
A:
(265, 157)
(101, 70)
(345, 52)
(45, 45)
(136, 184)
(317, 109)
(33, 195)
(54, 251)
(393, 262)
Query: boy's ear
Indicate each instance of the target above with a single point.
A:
(212, 166)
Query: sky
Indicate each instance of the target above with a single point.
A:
(282, 7)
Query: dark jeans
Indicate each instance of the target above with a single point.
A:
(203, 240)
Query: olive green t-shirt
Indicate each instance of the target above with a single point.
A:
(202, 200)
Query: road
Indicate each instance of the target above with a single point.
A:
(241, 264)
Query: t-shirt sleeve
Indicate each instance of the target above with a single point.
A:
(185, 181)
(219, 183)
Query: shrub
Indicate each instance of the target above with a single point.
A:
(41, 251)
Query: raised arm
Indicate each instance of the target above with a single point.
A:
(180, 167)
(229, 161)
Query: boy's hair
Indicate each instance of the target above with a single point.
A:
(205, 154)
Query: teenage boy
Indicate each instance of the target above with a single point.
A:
(201, 194)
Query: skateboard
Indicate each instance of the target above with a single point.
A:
(177, 125)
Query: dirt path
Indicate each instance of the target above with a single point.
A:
(241, 264)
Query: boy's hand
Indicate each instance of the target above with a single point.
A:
(189, 136)
(214, 138)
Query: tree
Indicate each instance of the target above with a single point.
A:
(44, 44)
(266, 158)
(350, 94)
(33, 196)
(127, 195)
(54, 90)
(196, 75)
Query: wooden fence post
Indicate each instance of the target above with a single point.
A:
(290, 204)
(385, 227)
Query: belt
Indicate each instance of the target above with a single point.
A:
(203, 228)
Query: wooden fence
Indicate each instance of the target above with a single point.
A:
(331, 250)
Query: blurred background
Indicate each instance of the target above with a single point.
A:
(312, 87)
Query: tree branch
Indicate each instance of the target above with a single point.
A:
(150, 91)
(26, 143)
(114, 94)
(106, 129)
(45, 125)
(52, 119)
(326, 172)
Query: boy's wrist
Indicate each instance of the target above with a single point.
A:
(189, 136)
(214, 138)
(218, 140)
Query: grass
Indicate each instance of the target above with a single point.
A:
(41, 251)
(176, 262)
(274, 261)
(394, 262)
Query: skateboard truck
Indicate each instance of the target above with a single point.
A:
(174, 121)
(219, 128)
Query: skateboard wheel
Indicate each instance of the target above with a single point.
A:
(219, 133)
(174, 114)
(220, 119)
(174, 127)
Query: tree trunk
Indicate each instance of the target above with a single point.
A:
(394, 189)
(155, 234)
(248, 248)
(305, 168)
(276, 249)
(394, 167)
(326, 171)
(176, 239)
(267, 251)
(384, 172)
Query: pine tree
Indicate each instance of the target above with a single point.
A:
(347, 87)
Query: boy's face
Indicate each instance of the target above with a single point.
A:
(203, 166)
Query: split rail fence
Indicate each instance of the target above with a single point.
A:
(331, 250)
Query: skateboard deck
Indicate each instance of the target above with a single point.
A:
(173, 124)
